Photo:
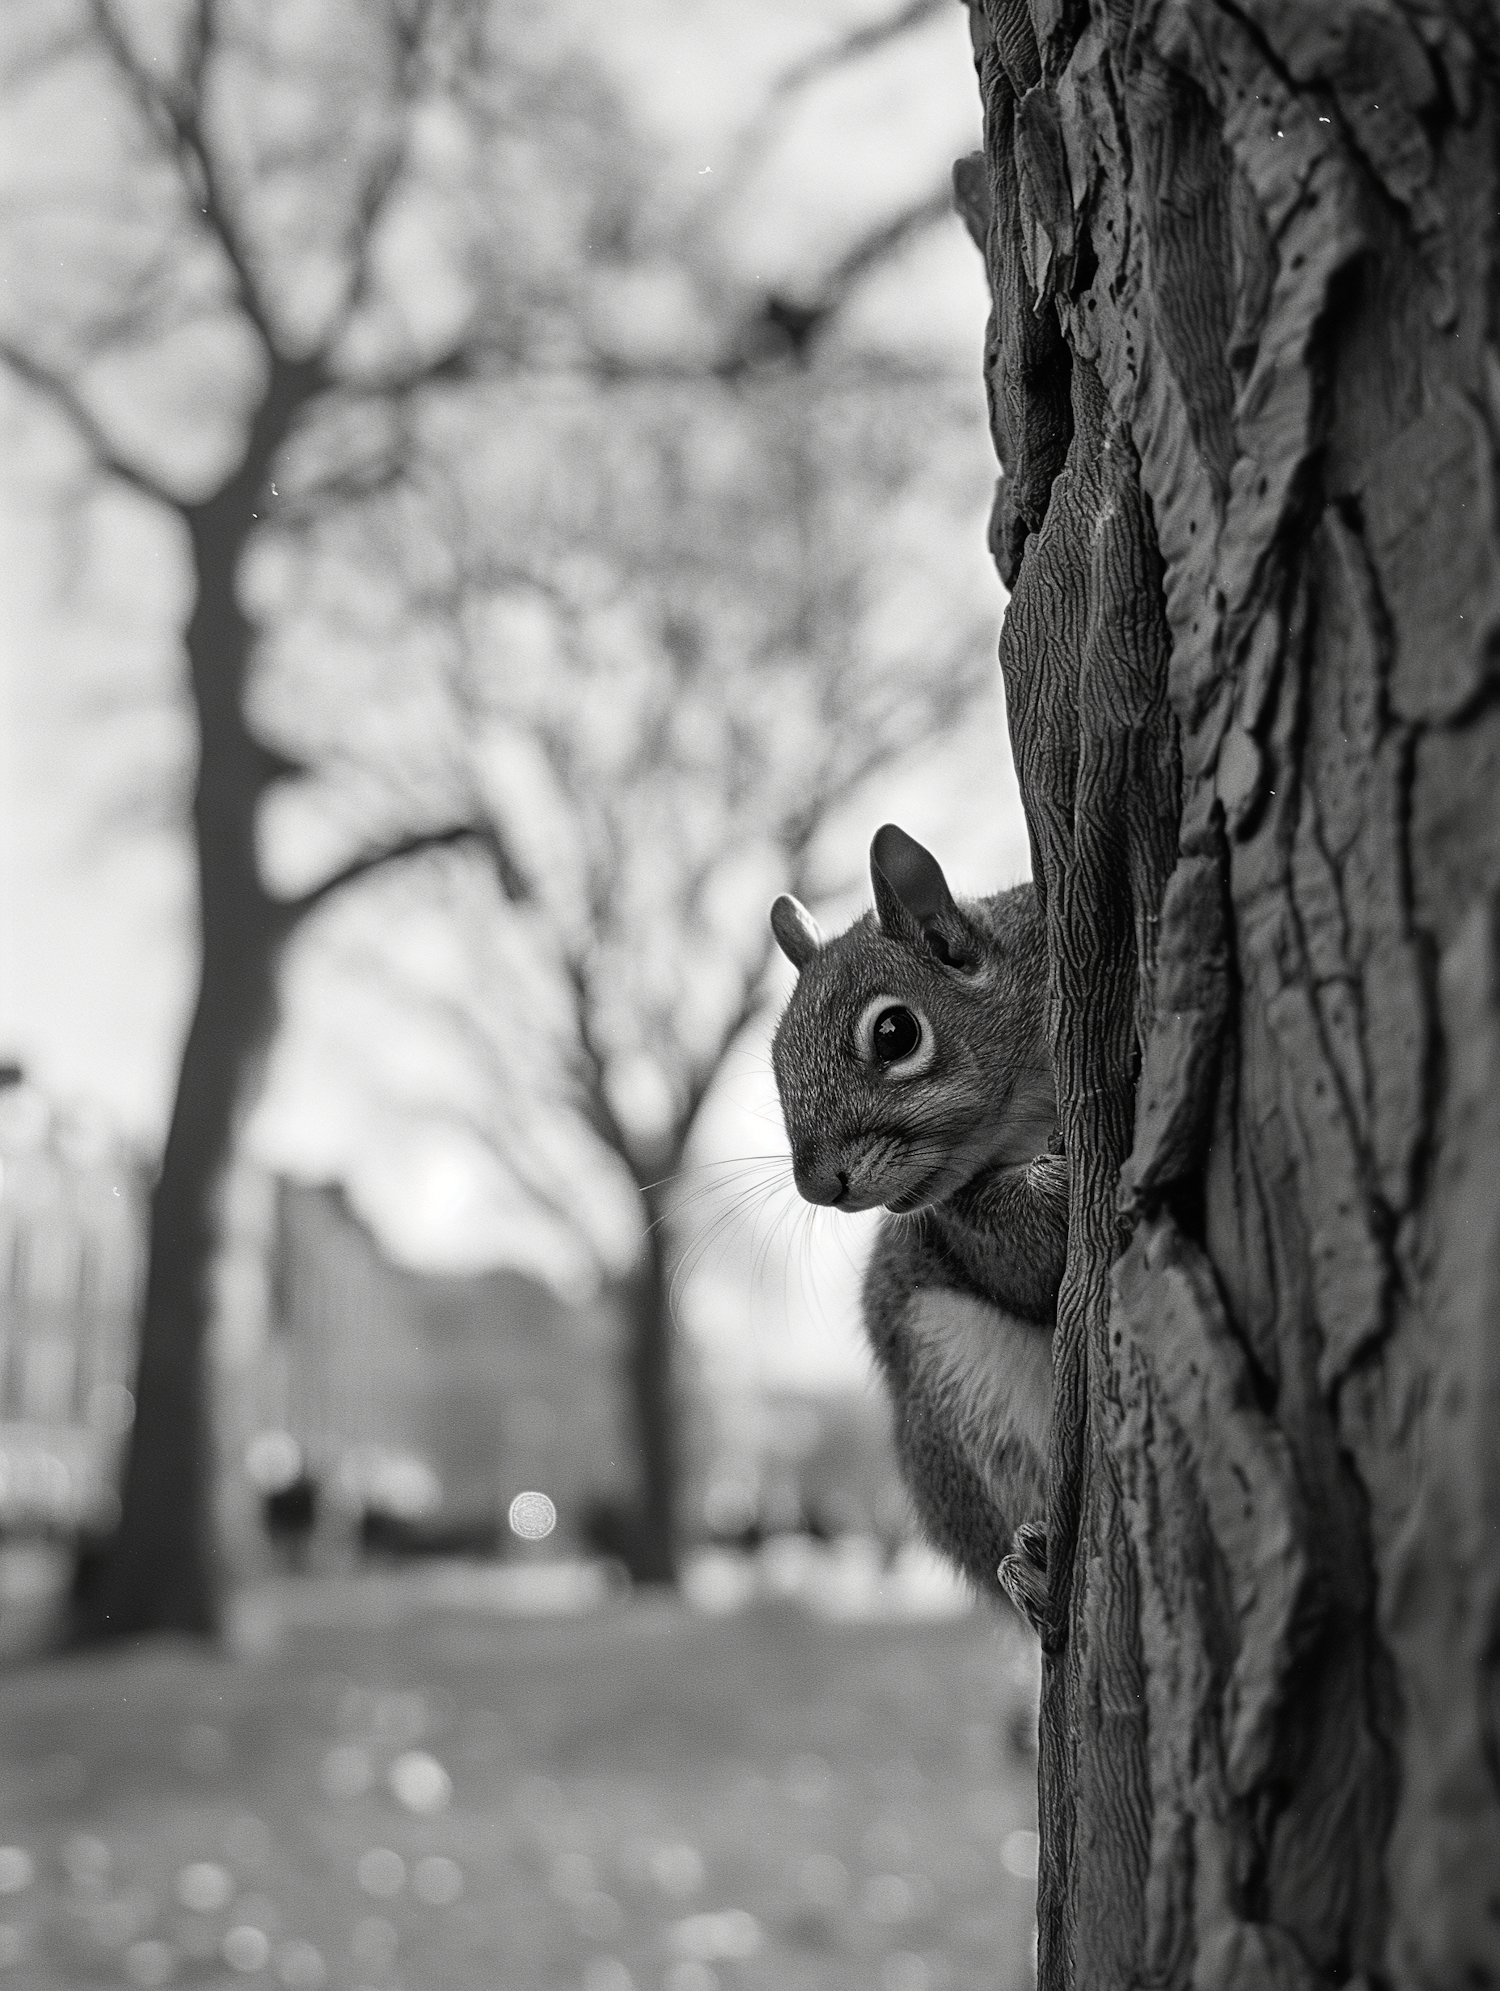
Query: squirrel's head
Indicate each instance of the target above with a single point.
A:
(912, 1055)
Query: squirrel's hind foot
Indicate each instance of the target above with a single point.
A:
(1023, 1574)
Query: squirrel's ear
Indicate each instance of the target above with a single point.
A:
(797, 932)
(912, 900)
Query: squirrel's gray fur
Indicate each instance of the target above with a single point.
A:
(956, 1139)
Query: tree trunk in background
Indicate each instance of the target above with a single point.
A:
(653, 1401)
(157, 1572)
(1245, 389)
(642, 1529)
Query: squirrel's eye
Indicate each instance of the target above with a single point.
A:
(896, 1034)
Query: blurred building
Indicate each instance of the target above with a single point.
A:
(72, 1231)
(801, 1460)
(423, 1397)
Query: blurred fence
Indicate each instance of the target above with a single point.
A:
(71, 1261)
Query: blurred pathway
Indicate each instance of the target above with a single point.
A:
(417, 1796)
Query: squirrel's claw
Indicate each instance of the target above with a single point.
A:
(1023, 1574)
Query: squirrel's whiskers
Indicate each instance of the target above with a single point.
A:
(757, 1184)
(755, 1193)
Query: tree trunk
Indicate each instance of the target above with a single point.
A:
(1245, 391)
(643, 1530)
(158, 1572)
(653, 1402)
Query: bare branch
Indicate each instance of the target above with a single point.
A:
(470, 357)
(801, 323)
(199, 39)
(65, 397)
(597, 1111)
(859, 41)
(374, 197)
(142, 86)
(409, 29)
(358, 483)
(701, 1075)
(884, 241)
(513, 881)
(863, 40)
(488, 1109)
(176, 116)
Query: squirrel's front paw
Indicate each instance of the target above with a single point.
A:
(1023, 1574)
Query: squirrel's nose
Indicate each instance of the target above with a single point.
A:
(820, 1182)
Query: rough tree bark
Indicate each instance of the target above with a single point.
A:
(1245, 390)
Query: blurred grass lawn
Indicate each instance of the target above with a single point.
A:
(632, 1797)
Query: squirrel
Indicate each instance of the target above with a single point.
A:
(913, 1070)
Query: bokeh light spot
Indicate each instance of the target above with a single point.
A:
(150, 1963)
(88, 1861)
(273, 1459)
(824, 1880)
(572, 1875)
(732, 1934)
(677, 1871)
(204, 1887)
(886, 1897)
(300, 1966)
(374, 1943)
(532, 1516)
(599, 1917)
(246, 1949)
(420, 1782)
(381, 1872)
(1018, 1854)
(17, 1869)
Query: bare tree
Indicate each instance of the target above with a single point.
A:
(234, 329)
(1242, 375)
(686, 624)
(299, 228)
